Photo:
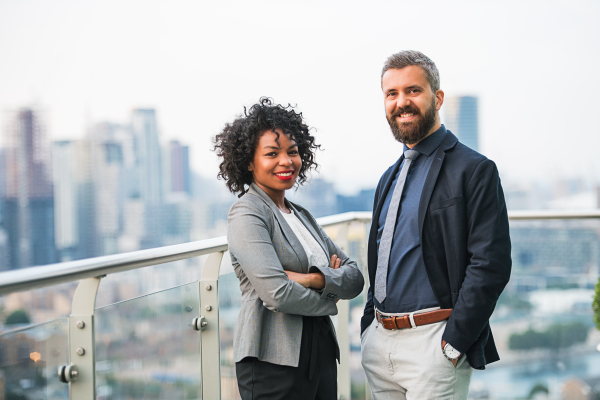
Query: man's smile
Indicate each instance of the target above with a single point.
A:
(405, 116)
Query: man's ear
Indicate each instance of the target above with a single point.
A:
(439, 99)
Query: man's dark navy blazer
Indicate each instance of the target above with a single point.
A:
(463, 227)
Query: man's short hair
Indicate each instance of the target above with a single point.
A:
(413, 57)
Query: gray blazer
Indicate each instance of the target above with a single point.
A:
(262, 245)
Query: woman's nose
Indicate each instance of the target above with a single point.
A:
(285, 159)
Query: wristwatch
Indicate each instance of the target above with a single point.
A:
(450, 352)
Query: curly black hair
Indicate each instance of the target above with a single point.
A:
(238, 140)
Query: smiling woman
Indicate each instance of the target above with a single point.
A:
(291, 273)
(236, 143)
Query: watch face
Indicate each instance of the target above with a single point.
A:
(451, 352)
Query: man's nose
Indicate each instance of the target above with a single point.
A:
(402, 101)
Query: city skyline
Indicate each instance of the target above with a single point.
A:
(123, 188)
(181, 60)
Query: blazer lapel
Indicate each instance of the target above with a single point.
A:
(285, 228)
(386, 188)
(434, 171)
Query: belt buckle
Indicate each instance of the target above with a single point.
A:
(410, 321)
(410, 318)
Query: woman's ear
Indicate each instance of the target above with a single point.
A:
(251, 166)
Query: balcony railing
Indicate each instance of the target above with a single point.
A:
(174, 343)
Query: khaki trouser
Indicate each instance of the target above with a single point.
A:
(409, 364)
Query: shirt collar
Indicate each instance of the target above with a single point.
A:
(431, 142)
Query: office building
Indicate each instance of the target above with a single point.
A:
(149, 171)
(27, 197)
(462, 119)
(178, 168)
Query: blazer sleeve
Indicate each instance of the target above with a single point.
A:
(488, 247)
(251, 245)
(343, 283)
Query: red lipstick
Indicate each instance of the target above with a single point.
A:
(285, 177)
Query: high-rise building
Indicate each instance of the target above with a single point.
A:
(74, 200)
(462, 118)
(4, 251)
(178, 168)
(115, 180)
(65, 199)
(149, 169)
(27, 196)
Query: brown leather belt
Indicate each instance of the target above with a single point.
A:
(404, 321)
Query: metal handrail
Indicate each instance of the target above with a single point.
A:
(52, 274)
(552, 214)
(48, 275)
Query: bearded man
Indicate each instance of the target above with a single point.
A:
(439, 249)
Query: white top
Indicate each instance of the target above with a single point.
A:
(314, 251)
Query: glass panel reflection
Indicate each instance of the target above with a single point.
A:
(357, 239)
(29, 361)
(146, 347)
(543, 324)
(229, 308)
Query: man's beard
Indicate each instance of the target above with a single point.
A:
(416, 130)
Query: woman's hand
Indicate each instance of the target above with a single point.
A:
(313, 280)
(303, 279)
(335, 261)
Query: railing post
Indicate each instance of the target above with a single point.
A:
(81, 372)
(210, 343)
(344, 387)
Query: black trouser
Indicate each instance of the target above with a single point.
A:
(314, 378)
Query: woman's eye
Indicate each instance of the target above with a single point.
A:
(293, 152)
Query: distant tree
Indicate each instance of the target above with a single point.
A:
(556, 336)
(18, 317)
(537, 388)
(529, 339)
(15, 396)
(513, 301)
(596, 305)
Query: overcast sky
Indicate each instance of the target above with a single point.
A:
(535, 66)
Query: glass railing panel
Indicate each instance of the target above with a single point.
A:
(229, 308)
(29, 362)
(543, 323)
(356, 250)
(146, 347)
(42, 305)
(142, 281)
